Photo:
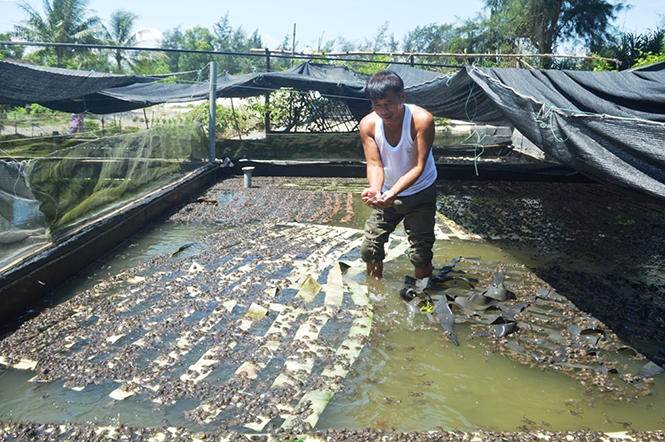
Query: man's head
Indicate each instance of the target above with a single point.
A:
(379, 85)
(385, 90)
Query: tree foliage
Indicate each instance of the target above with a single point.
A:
(228, 39)
(64, 21)
(631, 49)
(506, 26)
(429, 38)
(7, 51)
(545, 24)
(223, 38)
(121, 33)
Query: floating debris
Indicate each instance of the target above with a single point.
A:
(525, 319)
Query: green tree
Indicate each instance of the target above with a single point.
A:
(545, 24)
(121, 33)
(198, 39)
(382, 41)
(428, 38)
(475, 36)
(173, 39)
(9, 51)
(472, 36)
(223, 38)
(228, 39)
(345, 45)
(151, 63)
(628, 48)
(64, 21)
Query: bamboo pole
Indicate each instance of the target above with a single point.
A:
(464, 55)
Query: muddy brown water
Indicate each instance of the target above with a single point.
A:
(407, 377)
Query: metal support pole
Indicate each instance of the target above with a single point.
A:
(212, 116)
(267, 114)
(293, 45)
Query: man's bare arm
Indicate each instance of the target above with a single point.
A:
(374, 164)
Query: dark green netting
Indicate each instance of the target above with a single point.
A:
(46, 198)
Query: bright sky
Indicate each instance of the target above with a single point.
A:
(322, 20)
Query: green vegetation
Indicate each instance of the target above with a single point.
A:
(624, 222)
(302, 146)
(504, 26)
(18, 146)
(74, 183)
(64, 21)
(229, 120)
(632, 49)
(121, 33)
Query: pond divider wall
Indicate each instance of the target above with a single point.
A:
(27, 281)
(341, 155)
(545, 172)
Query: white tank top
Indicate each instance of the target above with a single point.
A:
(397, 160)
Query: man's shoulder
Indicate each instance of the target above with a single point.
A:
(367, 124)
(370, 117)
(418, 111)
(421, 116)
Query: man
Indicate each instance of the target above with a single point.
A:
(397, 139)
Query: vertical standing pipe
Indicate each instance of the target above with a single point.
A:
(212, 116)
(247, 172)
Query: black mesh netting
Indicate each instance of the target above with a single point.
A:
(609, 126)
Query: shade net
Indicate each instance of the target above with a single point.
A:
(47, 198)
(609, 126)
(27, 83)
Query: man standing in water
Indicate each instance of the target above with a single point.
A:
(397, 139)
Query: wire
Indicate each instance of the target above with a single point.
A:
(471, 117)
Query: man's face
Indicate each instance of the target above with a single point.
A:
(390, 107)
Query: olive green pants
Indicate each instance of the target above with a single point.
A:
(418, 213)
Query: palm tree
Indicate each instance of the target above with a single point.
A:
(121, 34)
(64, 21)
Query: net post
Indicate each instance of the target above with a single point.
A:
(266, 116)
(212, 116)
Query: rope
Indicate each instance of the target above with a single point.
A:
(471, 116)
(546, 120)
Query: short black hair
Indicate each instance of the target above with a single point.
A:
(381, 83)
